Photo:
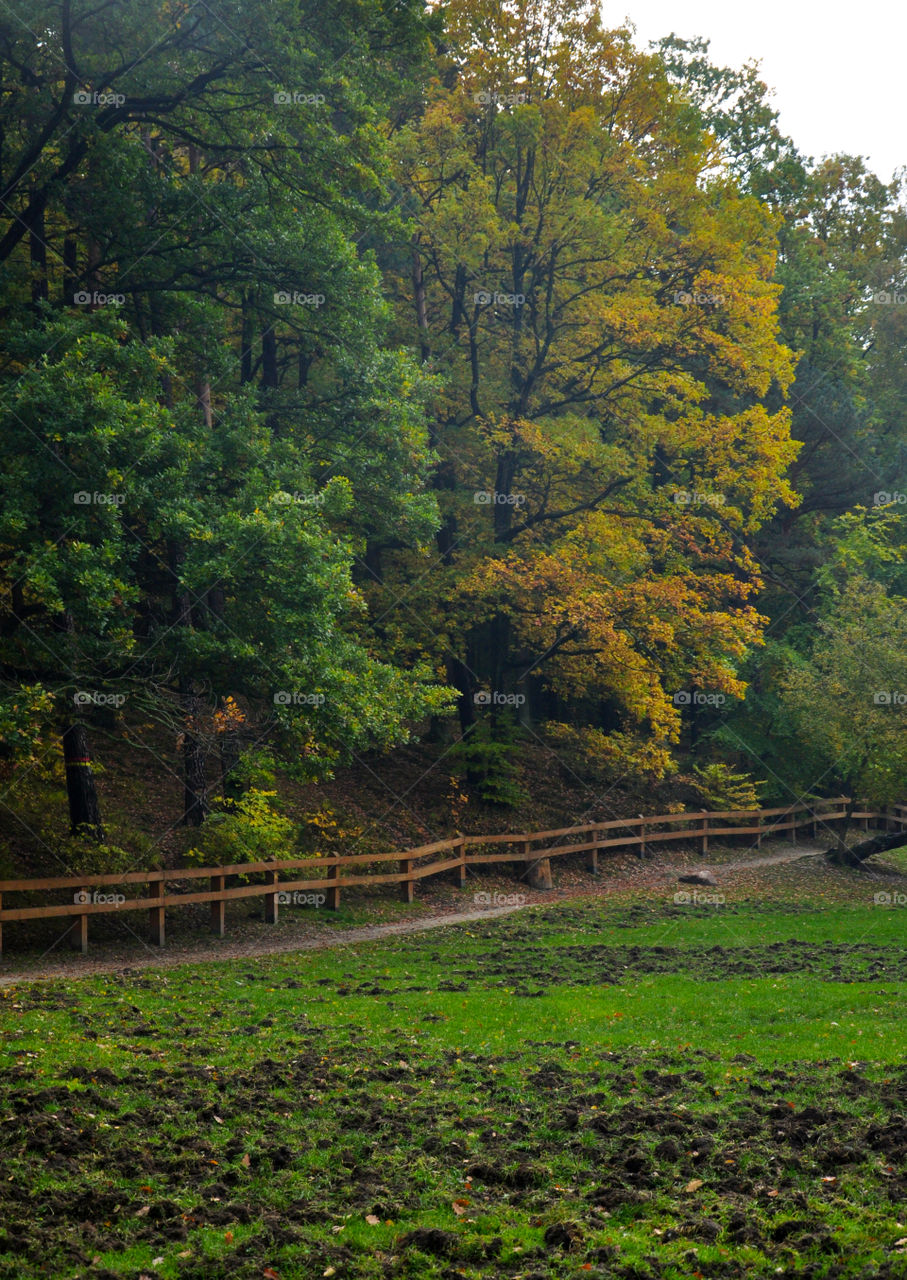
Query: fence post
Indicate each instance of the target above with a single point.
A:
(538, 873)
(705, 833)
(406, 886)
(271, 907)
(218, 908)
(793, 828)
(642, 837)
(78, 934)
(758, 828)
(155, 890)
(333, 898)
(460, 869)
(592, 864)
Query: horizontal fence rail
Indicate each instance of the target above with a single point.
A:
(85, 896)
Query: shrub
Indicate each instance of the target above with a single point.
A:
(246, 830)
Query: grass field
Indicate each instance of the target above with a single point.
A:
(635, 1089)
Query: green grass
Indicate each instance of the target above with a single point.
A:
(636, 1090)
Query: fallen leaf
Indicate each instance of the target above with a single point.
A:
(270, 1274)
(460, 1206)
(217, 1120)
(372, 1219)
(331, 1271)
(144, 1211)
(245, 1162)
(693, 1185)
(228, 1236)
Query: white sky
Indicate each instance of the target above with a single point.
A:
(838, 71)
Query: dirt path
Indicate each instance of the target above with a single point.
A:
(648, 875)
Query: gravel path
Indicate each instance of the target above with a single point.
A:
(141, 956)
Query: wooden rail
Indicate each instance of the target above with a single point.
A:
(84, 896)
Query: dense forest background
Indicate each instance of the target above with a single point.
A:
(448, 403)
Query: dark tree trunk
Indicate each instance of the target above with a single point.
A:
(247, 336)
(858, 853)
(374, 561)
(38, 254)
(203, 400)
(195, 801)
(84, 810)
(269, 377)
(229, 759)
(502, 511)
(421, 309)
(459, 676)
(69, 270)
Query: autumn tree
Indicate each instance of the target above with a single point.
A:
(597, 295)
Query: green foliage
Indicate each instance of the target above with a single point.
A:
(722, 789)
(486, 757)
(85, 854)
(848, 697)
(249, 830)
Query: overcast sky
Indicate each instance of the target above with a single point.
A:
(838, 73)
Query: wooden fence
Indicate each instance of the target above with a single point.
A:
(84, 894)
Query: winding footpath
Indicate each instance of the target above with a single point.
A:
(66, 964)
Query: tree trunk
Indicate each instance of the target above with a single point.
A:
(229, 759)
(840, 846)
(421, 308)
(458, 675)
(70, 270)
(857, 855)
(269, 377)
(195, 802)
(84, 810)
(247, 336)
(38, 254)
